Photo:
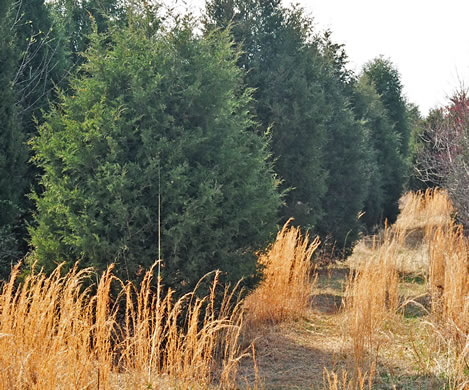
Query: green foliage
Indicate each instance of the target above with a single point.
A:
(387, 81)
(163, 114)
(78, 19)
(284, 73)
(416, 147)
(287, 76)
(387, 177)
(349, 169)
(300, 84)
(13, 153)
(384, 77)
(43, 62)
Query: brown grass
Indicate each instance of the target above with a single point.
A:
(286, 289)
(344, 381)
(449, 277)
(449, 290)
(57, 334)
(424, 241)
(424, 210)
(371, 300)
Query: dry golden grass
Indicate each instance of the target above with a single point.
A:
(421, 213)
(424, 241)
(424, 210)
(286, 289)
(448, 326)
(57, 334)
(344, 381)
(449, 276)
(371, 300)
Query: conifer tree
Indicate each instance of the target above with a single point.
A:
(78, 18)
(43, 62)
(155, 115)
(387, 82)
(285, 69)
(385, 78)
(387, 177)
(319, 147)
(13, 154)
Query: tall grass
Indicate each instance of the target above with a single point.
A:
(424, 210)
(449, 290)
(449, 277)
(286, 289)
(371, 300)
(55, 333)
(424, 231)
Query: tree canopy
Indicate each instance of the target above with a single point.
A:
(220, 128)
(13, 152)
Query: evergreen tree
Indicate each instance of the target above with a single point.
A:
(155, 115)
(386, 79)
(78, 18)
(43, 63)
(387, 176)
(349, 168)
(351, 159)
(285, 69)
(319, 148)
(416, 146)
(13, 154)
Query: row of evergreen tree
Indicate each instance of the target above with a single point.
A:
(130, 133)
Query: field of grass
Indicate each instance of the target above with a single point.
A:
(394, 315)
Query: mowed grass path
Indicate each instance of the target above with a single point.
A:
(410, 335)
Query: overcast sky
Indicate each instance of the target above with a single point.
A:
(428, 40)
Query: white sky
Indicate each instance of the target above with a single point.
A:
(427, 40)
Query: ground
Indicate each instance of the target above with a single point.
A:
(295, 355)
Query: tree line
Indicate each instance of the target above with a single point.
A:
(131, 133)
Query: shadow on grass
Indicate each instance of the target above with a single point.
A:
(284, 362)
(286, 359)
(326, 303)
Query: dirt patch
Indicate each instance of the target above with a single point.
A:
(326, 303)
(293, 356)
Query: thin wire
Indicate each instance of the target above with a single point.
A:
(158, 290)
(159, 219)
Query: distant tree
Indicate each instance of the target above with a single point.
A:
(416, 145)
(302, 88)
(387, 81)
(13, 153)
(78, 18)
(337, 57)
(349, 166)
(351, 157)
(43, 63)
(155, 115)
(386, 178)
(385, 78)
(443, 155)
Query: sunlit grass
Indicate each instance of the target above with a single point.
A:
(57, 333)
(436, 342)
(405, 304)
(285, 291)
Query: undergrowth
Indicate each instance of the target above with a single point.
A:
(55, 333)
